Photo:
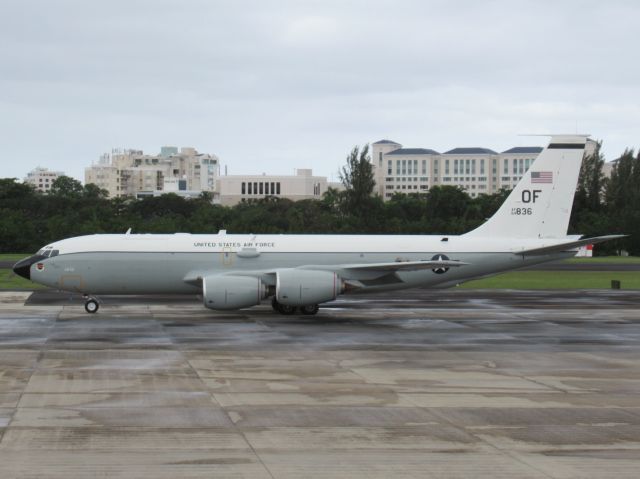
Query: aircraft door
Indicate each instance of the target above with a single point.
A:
(226, 257)
(73, 282)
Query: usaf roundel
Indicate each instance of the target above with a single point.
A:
(439, 257)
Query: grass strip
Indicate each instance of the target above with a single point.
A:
(605, 259)
(10, 280)
(13, 256)
(557, 280)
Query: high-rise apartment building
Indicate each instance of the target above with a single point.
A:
(476, 170)
(42, 179)
(133, 173)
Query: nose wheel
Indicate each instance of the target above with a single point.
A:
(91, 305)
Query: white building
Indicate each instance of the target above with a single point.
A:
(132, 173)
(476, 170)
(42, 178)
(233, 189)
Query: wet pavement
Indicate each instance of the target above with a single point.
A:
(414, 384)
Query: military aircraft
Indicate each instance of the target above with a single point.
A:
(299, 272)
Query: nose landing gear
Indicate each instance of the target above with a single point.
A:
(310, 309)
(91, 305)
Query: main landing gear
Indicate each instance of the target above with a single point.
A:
(91, 305)
(310, 309)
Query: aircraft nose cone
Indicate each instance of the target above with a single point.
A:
(23, 267)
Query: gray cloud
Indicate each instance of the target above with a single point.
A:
(271, 86)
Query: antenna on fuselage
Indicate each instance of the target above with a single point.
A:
(128, 231)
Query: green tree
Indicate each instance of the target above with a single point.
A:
(406, 213)
(623, 201)
(167, 204)
(591, 180)
(206, 197)
(18, 233)
(447, 208)
(209, 218)
(66, 187)
(11, 189)
(331, 200)
(589, 197)
(92, 191)
(358, 180)
(589, 215)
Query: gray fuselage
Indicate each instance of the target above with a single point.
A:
(136, 272)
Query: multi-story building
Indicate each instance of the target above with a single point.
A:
(233, 189)
(42, 178)
(132, 173)
(476, 170)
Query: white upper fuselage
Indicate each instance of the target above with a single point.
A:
(288, 243)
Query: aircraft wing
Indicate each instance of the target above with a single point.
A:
(355, 271)
(359, 275)
(556, 248)
(402, 265)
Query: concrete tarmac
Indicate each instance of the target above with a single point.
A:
(414, 384)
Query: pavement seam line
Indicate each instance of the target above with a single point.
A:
(213, 399)
(35, 367)
(504, 452)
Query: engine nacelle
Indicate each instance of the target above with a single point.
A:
(300, 287)
(232, 292)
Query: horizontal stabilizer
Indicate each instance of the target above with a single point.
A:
(556, 248)
(404, 265)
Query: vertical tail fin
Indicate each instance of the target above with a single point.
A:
(540, 204)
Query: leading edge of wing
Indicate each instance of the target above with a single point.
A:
(195, 277)
(557, 248)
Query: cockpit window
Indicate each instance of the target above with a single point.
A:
(48, 252)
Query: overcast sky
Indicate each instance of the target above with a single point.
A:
(273, 86)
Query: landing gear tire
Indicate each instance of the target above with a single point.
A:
(91, 306)
(310, 309)
(282, 308)
(287, 310)
(275, 305)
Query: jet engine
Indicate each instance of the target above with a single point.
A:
(301, 287)
(232, 292)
